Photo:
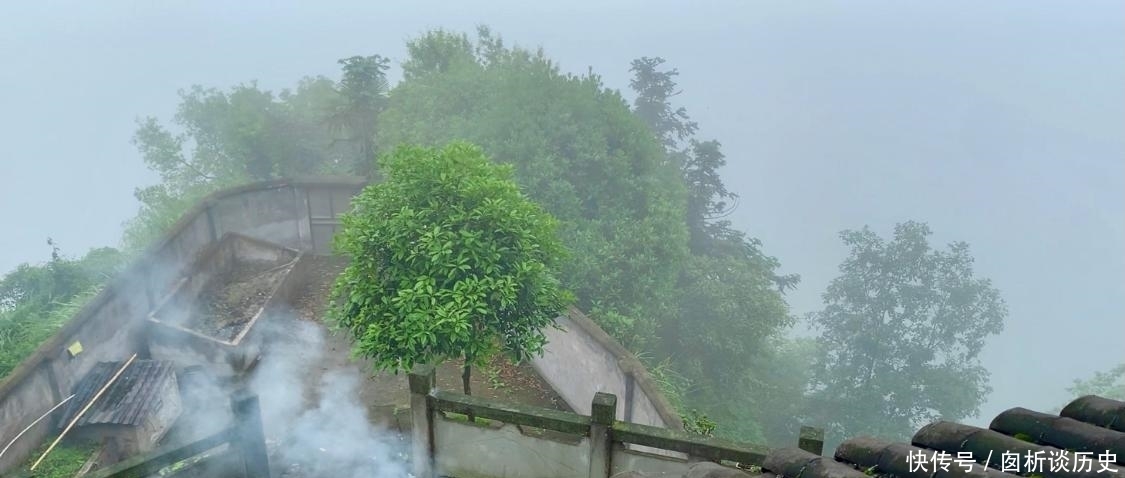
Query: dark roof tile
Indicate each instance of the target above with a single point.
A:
(1090, 424)
(128, 401)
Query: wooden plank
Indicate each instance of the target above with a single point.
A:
(149, 463)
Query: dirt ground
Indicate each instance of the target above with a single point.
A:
(382, 391)
(320, 354)
(231, 299)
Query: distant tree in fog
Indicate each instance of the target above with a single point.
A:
(900, 336)
(222, 138)
(655, 88)
(1107, 384)
(362, 97)
(448, 259)
(727, 333)
(37, 299)
(577, 150)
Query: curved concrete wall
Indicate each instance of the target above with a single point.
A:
(302, 214)
(581, 360)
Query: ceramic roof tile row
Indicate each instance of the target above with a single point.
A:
(1091, 424)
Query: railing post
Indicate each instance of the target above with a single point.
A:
(811, 440)
(249, 439)
(603, 411)
(422, 421)
(630, 395)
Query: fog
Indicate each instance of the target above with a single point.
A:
(999, 124)
(311, 429)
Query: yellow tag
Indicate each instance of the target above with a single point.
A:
(75, 349)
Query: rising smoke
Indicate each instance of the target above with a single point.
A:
(318, 428)
(314, 427)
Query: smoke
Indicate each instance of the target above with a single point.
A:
(318, 427)
(314, 422)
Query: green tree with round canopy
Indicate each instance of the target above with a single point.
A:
(448, 259)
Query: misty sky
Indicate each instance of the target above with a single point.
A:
(999, 123)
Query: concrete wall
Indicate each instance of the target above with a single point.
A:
(469, 450)
(109, 326)
(303, 215)
(581, 360)
(520, 441)
(169, 336)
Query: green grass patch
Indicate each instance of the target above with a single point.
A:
(24, 328)
(64, 461)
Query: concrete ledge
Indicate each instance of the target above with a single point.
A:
(508, 412)
(696, 446)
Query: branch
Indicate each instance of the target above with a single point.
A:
(192, 167)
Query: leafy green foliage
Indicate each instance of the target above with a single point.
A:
(35, 300)
(698, 423)
(655, 89)
(362, 97)
(730, 312)
(447, 259)
(576, 148)
(900, 335)
(777, 389)
(1106, 384)
(729, 309)
(225, 138)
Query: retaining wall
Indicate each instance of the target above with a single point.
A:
(518, 441)
(579, 361)
(301, 214)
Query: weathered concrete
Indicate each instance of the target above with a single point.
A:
(109, 326)
(571, 445)
(581, 360)
(465, 449)
(302, 215)
(169, 336)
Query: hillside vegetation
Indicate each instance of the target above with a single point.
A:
(640, 204)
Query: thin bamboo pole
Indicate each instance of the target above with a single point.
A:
(56, 407)
(83, 412)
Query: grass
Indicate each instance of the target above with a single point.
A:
(23, 329)
(64, 461)
(492, 373)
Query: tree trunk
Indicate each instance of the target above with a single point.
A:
(465, 373)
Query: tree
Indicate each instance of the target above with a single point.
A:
(731, 311)
(362, 97)
(900, 335)
(448, 259)
(579, 152)
(222, 138)
(1106, 384)
(37, 299)
(43, 286)
(654, 89)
